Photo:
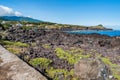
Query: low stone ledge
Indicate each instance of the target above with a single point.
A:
(16, 69)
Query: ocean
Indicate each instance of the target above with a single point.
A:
(102, 32)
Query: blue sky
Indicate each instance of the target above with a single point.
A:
(80, 12)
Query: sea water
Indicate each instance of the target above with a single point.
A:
(102, 32)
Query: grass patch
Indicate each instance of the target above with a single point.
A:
(116, 72)
(46, 46)
(54, 73)
(14, 47)
(27, 27)
(41, 62)
(10, 43)
(14, 50)
(71, 58)
(117, 76)
(108, 62)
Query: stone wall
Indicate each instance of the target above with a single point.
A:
(12, 68)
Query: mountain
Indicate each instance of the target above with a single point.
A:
(19, 18)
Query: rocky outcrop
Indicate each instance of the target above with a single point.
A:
(93, 44)
(12, 68)
(92, 69)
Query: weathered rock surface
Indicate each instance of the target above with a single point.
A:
(92, 69)
(93, 44)
(12, 68)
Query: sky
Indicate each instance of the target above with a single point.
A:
(78, 12)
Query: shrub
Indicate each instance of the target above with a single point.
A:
(6, 26)
(27, 27)
(54, 73)
(71, 58)
(117, 76)
(46, 46)
(108, 62)
(41, 62)
(10, 43)
(116, 72)
(14, 50)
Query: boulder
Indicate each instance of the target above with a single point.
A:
(92, 69)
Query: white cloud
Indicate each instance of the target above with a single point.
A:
(17, 13)
(29, 16)
(6, 11)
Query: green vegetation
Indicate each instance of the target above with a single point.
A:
(108, 62)
(54, 73)
(100, 26)
(71, 58)
(10, 43)
(114, 67)
(14, 47)
(71, 55)
(6, 26)
(27, 27)
(3, 34)
(18, 18)
(116, 72)
(41, 62)
(75, 51)
(14, 50)
(45, 25)
(46, 46)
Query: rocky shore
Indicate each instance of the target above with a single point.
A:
(62, 50)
